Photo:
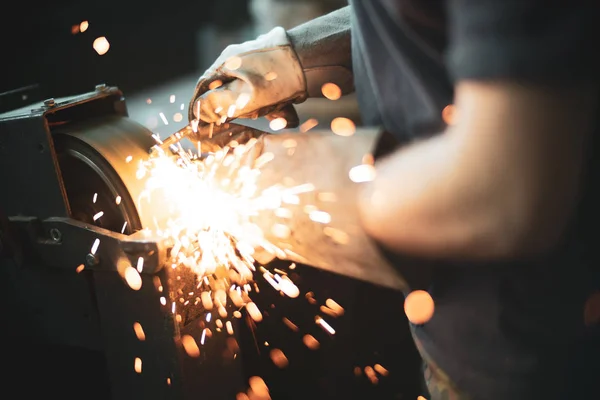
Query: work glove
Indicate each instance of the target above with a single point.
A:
(266, 76)
(252, 79)
(309, 186)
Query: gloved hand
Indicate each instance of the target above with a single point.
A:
(266, 76)
(256, 78)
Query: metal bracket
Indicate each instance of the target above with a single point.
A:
(66, 244)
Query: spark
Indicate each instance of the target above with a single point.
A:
(124, 226)
(140, 264)
(80, 268)
(320, 216)
(331, 91)
(190, 346)
(278, 124)
(101, 45)
(279, 358)
(118, 200)
(137, 365)
(343, 126)
(308, 125)
(139, 331)
(95, 246)
(324, 325)
(83, 26)
(133, 278)
(172, 98)
(310, 342)
(164, 119)
(95, 198)
(128, 159)
(98, 215)
(148, 101)
(362, 173)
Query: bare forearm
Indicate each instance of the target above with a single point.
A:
(323, 47)
(501, 183)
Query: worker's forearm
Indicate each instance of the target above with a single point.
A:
(502, 183)
(323, 47)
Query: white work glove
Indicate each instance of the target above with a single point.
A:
(261, 77)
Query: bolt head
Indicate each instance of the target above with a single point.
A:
(100, 87)
(91, 260)
(55, 234)
(49, 102)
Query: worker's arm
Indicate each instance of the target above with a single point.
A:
(262, 76)
(323, 48)
(505, 180)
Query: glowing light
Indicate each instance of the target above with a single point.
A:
(308, 125)
(324, 325)
(259, 387)
(381, 370)
(95, 246)
(133, 278)
(83, 26)
(140, 264)
(148, 101)
(331, 91)
(419, 307)
(190, 346)
(80, 268)
(139, 331)
(449, 114)
(254, 312)
(163, 118)
(278, 124)
(362, 173)
(101, 45)
(172, 99)
(320, 216)
(343, 126)
(118, 200)
(178, 117)
(278, 358)
(310, 342)
(137, 365)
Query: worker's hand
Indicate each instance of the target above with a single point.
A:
(311, 214)
(261, 77)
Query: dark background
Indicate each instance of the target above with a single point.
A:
(151, 42)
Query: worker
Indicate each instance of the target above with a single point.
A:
(499, 197)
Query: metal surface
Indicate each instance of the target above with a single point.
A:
(28, 163)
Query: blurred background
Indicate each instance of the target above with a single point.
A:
(154, 51)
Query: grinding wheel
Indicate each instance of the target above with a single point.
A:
(98, 160)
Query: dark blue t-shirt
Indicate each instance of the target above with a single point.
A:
(512, 330)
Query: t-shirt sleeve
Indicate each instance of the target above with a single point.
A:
(524, 40)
